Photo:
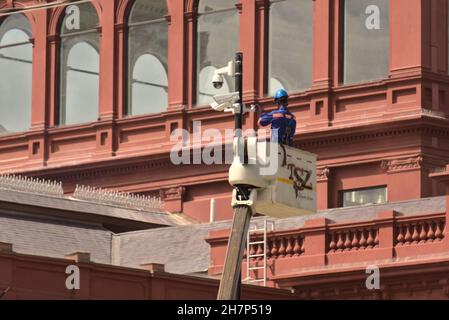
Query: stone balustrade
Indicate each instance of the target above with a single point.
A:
(353, 239)
(278, 246)
(321, 243)
(421, 231)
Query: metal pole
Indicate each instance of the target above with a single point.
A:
(239, 88)
(232, 274)
(231, 278)
(239, 127)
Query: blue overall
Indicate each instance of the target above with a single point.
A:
(283, 125)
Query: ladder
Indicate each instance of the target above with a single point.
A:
(267, 224)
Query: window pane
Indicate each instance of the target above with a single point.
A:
(79, 65)
(16, 71)
(216, 47)
(364, 196)
(149, 86)
(366, 37)
(290, 64)
(147, 60)
(80, 75)
(147, 10)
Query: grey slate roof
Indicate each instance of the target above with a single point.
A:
(86, 207)
(183, 250)
(54, 238)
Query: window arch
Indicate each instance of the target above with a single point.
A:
(290, 53)
(147, 58)
(16, 59)
(80, 67)
(216, 44)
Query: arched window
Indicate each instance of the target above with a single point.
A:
(147, 58)
(366, 40)
(218, 41)
(16, 58)
(79, 65)
(290, 45)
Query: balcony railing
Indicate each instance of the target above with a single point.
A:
(322, 244)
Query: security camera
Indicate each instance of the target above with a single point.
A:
(225, 102)
(219, 106)
(217, 81)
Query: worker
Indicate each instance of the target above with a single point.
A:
(282, 121)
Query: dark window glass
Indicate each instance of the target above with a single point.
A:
(366, 40)
(16, 56)
(79, 65)
(147, 58)
(290, 45)
(375, 195)
(218, 41)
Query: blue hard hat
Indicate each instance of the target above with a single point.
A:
(281, 93)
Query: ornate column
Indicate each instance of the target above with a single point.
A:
(108, 61)
(248, 45)
(178, 47)
(39, 107)
(261, 54)
(191, 19)
(108, 85)
(122, 32)
(39, 112)
(322, 44)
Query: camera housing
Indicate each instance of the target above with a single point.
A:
(225, 102)
(217, 81)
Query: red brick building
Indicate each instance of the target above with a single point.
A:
(97, 89)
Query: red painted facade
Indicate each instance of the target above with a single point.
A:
(370, 134)
(328, 260)
(391, 132)
(27, 277)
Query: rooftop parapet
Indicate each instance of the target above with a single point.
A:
(31, 185)
(121, 199)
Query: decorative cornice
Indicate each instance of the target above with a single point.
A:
(359, 137)
(392, 288)
(173, 193)
(90, 173)
(397, 165)
(322, 174)
(414, 163)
